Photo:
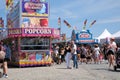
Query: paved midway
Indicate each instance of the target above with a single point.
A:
(59, 72)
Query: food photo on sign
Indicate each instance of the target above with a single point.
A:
(33, 22)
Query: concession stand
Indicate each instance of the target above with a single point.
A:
(83, 37)
(29, 34)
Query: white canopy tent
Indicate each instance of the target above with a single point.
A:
(116, 35)
(105, 35)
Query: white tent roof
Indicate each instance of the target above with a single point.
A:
(117, 34)
(105, 34)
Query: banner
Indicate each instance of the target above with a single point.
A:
(85, 22)
(67, 24)
(92, 23)
(13, 17)
(1, 22)
(34, 9)
(9, 3)
(35, 32)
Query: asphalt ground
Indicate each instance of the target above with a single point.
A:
(60, 72)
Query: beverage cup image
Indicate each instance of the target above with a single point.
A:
(26, 22)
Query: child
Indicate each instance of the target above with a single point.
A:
(101, 57)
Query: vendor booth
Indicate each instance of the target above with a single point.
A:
(29, 35)
(31, 47)
(84, 37)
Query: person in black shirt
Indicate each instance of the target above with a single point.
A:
(68, 56)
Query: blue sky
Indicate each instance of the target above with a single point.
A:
(105, 12)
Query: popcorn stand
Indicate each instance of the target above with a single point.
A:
(29, 34)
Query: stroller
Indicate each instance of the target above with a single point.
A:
(117, 62)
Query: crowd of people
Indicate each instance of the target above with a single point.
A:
(79, 54)
(85, 53)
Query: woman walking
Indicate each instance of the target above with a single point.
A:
(96, 54)
(68, 55)
(6, 60)
(112, 47)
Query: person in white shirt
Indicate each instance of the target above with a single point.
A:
(96, 54)
(74, 54)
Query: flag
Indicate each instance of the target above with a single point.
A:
(59, 21)
(67, 24)
(85, 22)
(9, 3)
(1, 22)
(92, 23)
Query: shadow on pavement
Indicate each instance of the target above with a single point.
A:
(61, 68)
(107, 69)
(100, 69)
(114, 70)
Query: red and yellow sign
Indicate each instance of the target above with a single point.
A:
(34, 22)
